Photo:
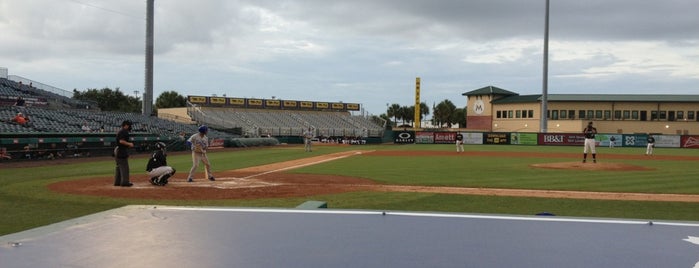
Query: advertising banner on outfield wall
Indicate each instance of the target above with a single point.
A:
(668, 141)
(690, 142)
(496, 138)
(641, 140)
(404, 137)
(444, 137)
(634, 140)
(562, 139)
(524, 138)
(423, 137)
(473, 138)
(604, 140)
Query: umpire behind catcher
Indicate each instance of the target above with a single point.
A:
(121, 155)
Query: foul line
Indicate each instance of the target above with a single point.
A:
(302, 165)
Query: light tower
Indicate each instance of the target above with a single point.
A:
(148, 90)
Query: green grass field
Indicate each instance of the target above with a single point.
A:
(25, 201)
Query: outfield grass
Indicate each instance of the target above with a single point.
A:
(26, 203)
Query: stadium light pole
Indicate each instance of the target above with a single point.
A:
(544, 93)
(148, 90)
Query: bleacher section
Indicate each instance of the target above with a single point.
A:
(44, 120)
(35, 94)
(261, 122)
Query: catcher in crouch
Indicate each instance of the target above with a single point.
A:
(157, 166)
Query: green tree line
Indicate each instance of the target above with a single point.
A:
(444, 114)
(108, 99)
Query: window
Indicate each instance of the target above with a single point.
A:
(554, 114)
(690, 115)
(627, 114)
(671, 115)
(607, 114)
(680, 115)
(598, 114)
(617, 115)
(581, 114)
(518, 113)
(564, 114)
(498, 114)
(571, 113)
(509, 114)
(590, 114)
(663, 115)
(653, 115)
(531, 113)
(634, 115)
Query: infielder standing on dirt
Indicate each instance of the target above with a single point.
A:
(651, 144)
(459, 143)
(590, 132)
(199, 143)
(158, 170)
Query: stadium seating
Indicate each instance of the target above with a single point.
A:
(43, 120)
(259, 122)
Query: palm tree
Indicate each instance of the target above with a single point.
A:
(424, 110)
(393, 111)
(460, 117)
(444, 113)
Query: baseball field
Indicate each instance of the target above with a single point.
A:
(493, 179)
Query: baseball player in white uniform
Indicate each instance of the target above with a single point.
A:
(459, 143)
(307, 137)
(199, 143)
(651, 145)
(589, 132)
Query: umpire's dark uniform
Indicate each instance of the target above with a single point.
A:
(121, 155)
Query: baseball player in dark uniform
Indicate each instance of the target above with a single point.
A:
(459, 142)
(589, 132)
(158, 170)
(121, 155)
(651, 145)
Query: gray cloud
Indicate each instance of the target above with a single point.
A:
(357, 51)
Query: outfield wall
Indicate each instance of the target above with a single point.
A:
(552, 139)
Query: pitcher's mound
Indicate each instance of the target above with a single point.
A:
(591, 166)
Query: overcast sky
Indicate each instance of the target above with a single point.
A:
(360, 51)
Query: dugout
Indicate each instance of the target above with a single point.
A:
(65, 145)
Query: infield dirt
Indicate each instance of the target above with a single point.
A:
(270, 181)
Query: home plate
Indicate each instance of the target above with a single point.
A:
(231, 183)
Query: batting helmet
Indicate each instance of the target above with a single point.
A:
(203, 129)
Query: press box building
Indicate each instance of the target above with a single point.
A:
(493, 109)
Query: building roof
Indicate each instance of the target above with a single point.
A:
(598, 98)
(489, 90)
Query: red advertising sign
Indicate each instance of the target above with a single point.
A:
(444, 137)
(216, 143)
(690, 142)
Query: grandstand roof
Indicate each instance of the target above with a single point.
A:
(598, 98)
(489, 90)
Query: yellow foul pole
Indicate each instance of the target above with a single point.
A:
(417, 102)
